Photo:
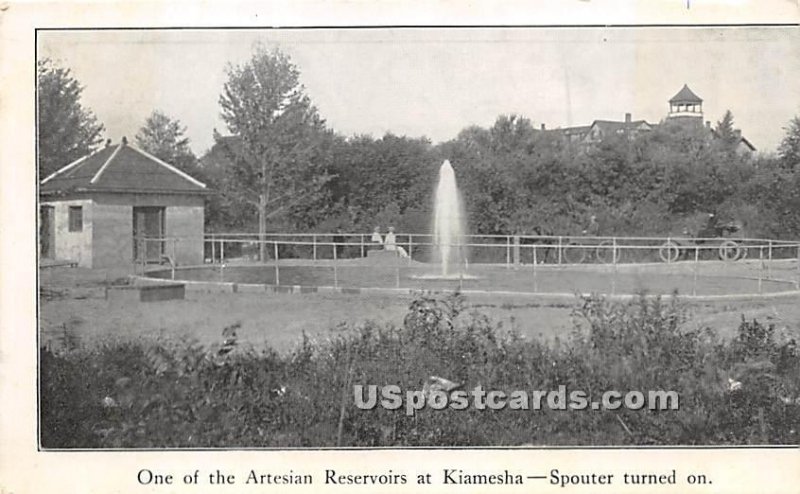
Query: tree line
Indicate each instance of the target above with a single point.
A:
(279, 166)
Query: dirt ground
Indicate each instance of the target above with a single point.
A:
(73, 301)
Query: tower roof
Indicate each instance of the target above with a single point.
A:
(685, 95)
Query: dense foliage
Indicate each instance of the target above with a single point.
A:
(281, 168)
(515, 178)
(165, 138)
(66, 130)
(178, 394)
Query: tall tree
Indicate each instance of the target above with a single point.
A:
(66, 130)
(165, 138)
(789, 149)
(278, 157)
(726, 133)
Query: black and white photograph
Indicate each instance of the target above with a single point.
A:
(400, 237)
(401, 255)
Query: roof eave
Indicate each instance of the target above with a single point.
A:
(113, 190)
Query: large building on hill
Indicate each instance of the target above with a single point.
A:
(685, 108)
(119, 206)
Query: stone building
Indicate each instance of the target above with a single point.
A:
(119, 206)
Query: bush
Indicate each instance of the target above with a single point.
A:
(179, 394)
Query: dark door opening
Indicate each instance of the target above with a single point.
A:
(148, 233)
(47, 232)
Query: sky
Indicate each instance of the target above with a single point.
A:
(433, 82)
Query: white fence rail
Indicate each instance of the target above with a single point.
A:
(761, 261)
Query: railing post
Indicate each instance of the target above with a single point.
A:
(222, 251)
(508, 252)
(559, 249)
(797, 283)
(213, 250)
(769, 261)
(314, 246)
(669, 254)
(335, 267)
(760, 267)
(516, 251)
(614, 274)
(410, 247)
(534, 268)
(363, 253)
(277, 269)
(696, 267)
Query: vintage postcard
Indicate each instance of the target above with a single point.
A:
(302, 249)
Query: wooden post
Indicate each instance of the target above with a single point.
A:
(363, 253)
(314, 246)
(760, 267)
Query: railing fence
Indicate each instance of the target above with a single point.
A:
(513, 252)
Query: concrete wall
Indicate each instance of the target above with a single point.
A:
(73, 246)
(113, 235)
(106, 240)
(184, 218)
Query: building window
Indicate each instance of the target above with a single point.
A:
(76, 218)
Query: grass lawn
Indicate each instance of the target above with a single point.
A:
(73, 300)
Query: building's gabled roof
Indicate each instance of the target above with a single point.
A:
(685, 95)
(582, 129)
(605, 127)
(613, 125)
(121, 168)
(740, 139)
(748, 144)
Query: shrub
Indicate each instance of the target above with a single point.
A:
(163, 393)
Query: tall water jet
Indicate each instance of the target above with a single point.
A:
(448, 221)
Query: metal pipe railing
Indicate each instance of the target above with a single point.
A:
(611, 255)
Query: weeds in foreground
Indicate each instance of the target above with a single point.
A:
(168, 393)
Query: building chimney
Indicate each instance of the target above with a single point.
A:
(124, 141)
(627, 118)
(542, 126)
(708, 124)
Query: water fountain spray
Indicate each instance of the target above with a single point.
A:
(448, 222)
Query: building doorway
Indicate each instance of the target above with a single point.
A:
(47, 232)
(148, 233)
